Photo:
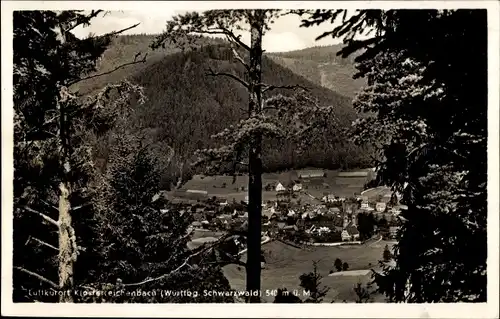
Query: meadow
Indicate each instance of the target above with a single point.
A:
(235, 189)
(285, 264)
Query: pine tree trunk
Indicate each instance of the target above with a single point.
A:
(67, 238)
(66, 251)
(253, 269)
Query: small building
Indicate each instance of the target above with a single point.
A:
(380, 207)
(393, 231)
(297, 187)
(345, 235)
(196, 191)
(353, 231)
(280, 187)
(350, 233)
(196, 224)
(334, 211)
(306, 174)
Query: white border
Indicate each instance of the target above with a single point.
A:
(485, 310)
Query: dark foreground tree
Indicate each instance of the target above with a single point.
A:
(279, 116)
(311, 282)
(386, 255)
(345, 266)
(362, 293)
(338, 264)
(426, 113)
(52, 156)
(143, 237)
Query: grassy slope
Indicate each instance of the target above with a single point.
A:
(285, 264)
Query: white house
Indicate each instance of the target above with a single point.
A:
(310, 173)
(297, 187)
(365, 205)
(380, 207)
(280, 187)
(291, 213)
(345, 235)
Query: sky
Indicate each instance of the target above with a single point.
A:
(286, 35)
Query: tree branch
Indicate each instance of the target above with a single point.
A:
(39, 277)
(120, 31)
(47, 218)
(49, 205)
(238, 57)
(184, 264)
(93, 14)
(228, 33)
(42, 243)
(143, 60)
(268, 87)
(234, 77)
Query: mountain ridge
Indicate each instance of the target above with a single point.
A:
(185, 107)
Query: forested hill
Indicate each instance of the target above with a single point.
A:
(322, 66)
(185, 106)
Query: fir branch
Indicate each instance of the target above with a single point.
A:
(267, 87)
(41, 242)
(39, 277)
(234, 77)
(201, 250)
(47, 218)
(135, 61)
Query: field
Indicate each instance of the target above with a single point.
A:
(224, 187)
(284, 265)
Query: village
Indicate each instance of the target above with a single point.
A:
(300, 208)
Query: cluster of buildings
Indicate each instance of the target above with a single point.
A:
(327, 213)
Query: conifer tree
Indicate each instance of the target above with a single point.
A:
(426, 113)
(311, 282)
(53, 159)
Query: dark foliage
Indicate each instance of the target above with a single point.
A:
(311, 282)
(429, 123)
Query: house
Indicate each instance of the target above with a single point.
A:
(291, 213)
(196, 224)
(304, 174)
(393, 231)
(224, 203)
(290, 228)
(281, 225)
(196, 191)
(334, 211)
(380, 207)
(297, 187)
(280, 187)
(350, 233)
(353, 231)
(345, 235)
